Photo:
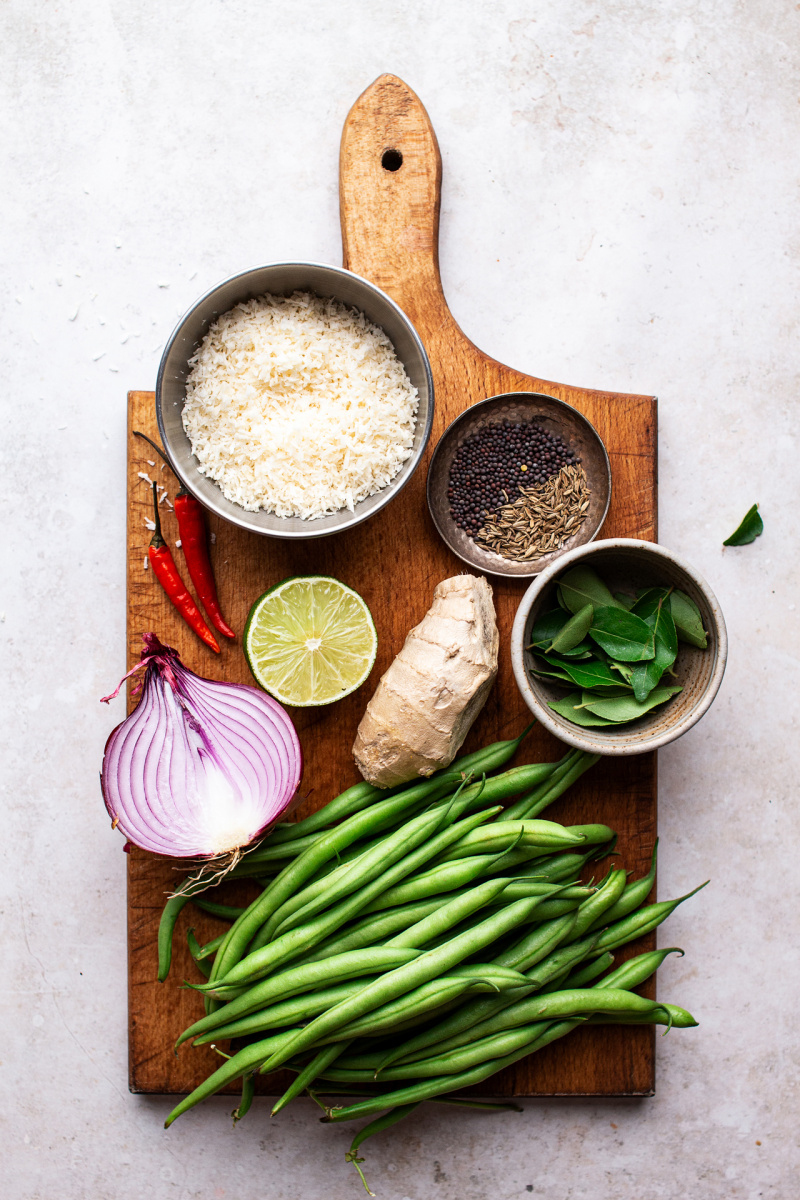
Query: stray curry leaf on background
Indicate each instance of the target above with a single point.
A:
(750, 528)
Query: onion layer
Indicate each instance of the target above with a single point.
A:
(200, 768)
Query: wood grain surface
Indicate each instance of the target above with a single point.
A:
(390, 235)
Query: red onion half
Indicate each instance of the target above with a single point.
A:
(200, 768)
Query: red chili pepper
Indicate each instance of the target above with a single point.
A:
(167, 574)
(194, 542)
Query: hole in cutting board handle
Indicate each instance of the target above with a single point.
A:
(392, 160)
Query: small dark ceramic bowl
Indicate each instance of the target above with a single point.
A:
(625, 564)
(555, 417)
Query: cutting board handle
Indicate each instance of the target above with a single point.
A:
(390, 176)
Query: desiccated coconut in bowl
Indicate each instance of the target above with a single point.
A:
(298, 405)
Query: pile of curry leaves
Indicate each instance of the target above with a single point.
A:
(612, 650)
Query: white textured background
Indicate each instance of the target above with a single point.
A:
(620, 210)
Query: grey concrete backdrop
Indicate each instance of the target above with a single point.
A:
(620, 210)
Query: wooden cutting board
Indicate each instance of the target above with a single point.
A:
(390, 224)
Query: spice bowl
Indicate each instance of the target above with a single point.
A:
(282, 279)
(555, 418)
(626, 564)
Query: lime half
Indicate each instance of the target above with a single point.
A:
(310, 640)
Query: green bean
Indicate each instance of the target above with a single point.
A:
(530, 806)
(293, 876)
(636, 970)
(403, 979)
(248, 1092)
(523, 954)
(209, 948)
(285, 1012)
(433, 994)
(449, 914)
(428, 1089)
(312, 899)
(453, 1061)
(309, 1073)
(582, 975)
(633, 896)
(555, 966)
(296, 941)
(531, 1015)
(166, 929)
(607, 894)
(384, 1122)
(196, 952)
(303, 978)
(639, 923)
(518, 889)
(374, 928)
(234, 1067)
(502, 835)
(557, 867)
(226, 912)
(434, 881)
(362, 794)
(670, 1015)
(518, 811)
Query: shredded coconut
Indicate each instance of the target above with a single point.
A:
(298, 405)
(143, 475)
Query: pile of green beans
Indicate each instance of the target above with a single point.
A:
(412, 944)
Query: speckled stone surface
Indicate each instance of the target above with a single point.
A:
(620, 210)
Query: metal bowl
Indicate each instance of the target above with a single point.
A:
(556, 417)
(622, 564)
(283, 279)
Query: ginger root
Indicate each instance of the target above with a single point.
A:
(426, 702)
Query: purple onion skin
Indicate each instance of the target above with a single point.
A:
(200, 768)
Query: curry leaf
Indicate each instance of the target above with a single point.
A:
(556, 671)
(647, 675)
(626, 708)
(581, 586)
(582, 650)
(594, 675)
(575, 630)
(579, 716)
(625, 600)
(688, 620)
(649, 602)
(547, 626)
(622, 635)
(750, 528)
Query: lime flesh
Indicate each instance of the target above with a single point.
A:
(310, 640)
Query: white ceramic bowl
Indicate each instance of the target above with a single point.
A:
(625, 563)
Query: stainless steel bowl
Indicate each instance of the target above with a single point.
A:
(556, 417)
(622, 564)
(283, 279)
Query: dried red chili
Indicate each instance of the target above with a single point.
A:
(194, 543)
(168, 576)
(193, 532)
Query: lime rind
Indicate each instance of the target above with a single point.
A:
(310, 640)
